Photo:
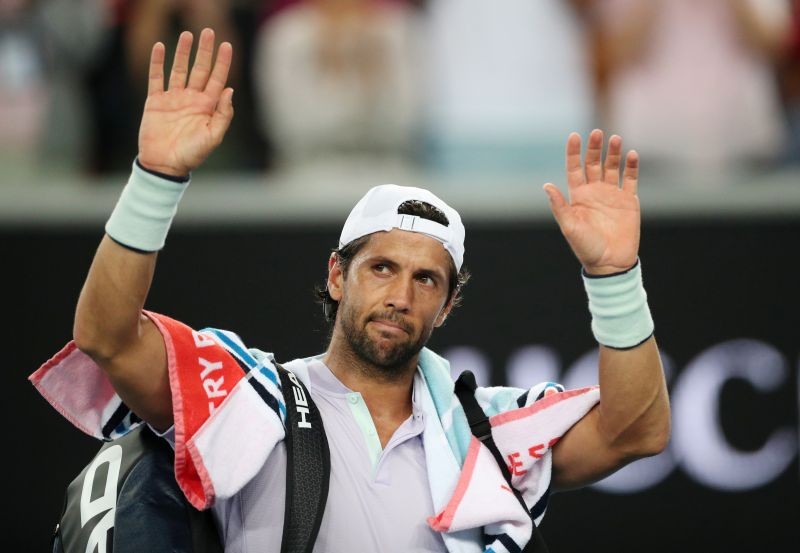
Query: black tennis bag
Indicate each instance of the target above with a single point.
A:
(131, 479)
(126, 500)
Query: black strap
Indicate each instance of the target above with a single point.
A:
(308, 463)
(479, 424)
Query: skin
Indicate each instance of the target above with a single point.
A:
(394, 293)
(601, 221)
(179, 129)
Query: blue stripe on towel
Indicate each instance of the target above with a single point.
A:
(244, 355)
(245, 358)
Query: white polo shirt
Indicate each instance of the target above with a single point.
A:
(378, 500)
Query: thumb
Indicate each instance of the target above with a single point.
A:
(222, 117)
(558, 204)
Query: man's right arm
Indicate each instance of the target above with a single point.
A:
(111, 329)
(180, 127)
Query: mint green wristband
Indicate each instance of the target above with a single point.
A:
(621, 318)
(144, 211)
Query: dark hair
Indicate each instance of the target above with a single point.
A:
(345, 255)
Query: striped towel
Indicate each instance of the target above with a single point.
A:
(217, 450)
(224, 433)
(474, 494)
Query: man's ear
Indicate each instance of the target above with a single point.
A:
(335, 277)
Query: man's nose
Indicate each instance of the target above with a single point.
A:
(400, 294)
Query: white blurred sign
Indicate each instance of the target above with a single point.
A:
(699, 445)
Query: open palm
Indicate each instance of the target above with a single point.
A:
(601, 220)
(182, 125)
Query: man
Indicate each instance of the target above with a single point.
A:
(393, 425)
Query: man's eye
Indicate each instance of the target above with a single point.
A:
(381, 268)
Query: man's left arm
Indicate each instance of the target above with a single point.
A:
(630, 422)
(601, 221)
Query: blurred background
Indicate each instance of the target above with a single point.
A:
(473, 100)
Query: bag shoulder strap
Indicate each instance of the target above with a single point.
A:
(308, 466)
(465, 387)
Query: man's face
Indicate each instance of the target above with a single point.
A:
(393, 296)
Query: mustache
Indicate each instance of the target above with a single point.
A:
(392, 317)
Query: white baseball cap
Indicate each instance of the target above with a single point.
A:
(377, 211)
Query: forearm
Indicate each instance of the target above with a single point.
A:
(633, 415)
(109, 324)
(631, 421)
(634, 408)
(111, 328)
(109, 310)
(108, 317)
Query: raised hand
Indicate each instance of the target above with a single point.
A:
(182, 125)
(601, 220)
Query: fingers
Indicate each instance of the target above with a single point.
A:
(201, 77)
(594, 155)
(575, 175)
(155, 82)
(595, 170)
(180, 65)
(222, 117)
(202, 61)
(613, 159)
(219, 75)
(630, 180)
(558, 204)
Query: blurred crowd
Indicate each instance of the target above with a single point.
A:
(453, 86)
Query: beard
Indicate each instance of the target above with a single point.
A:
(389, 361)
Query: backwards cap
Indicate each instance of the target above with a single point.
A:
(377, 211)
